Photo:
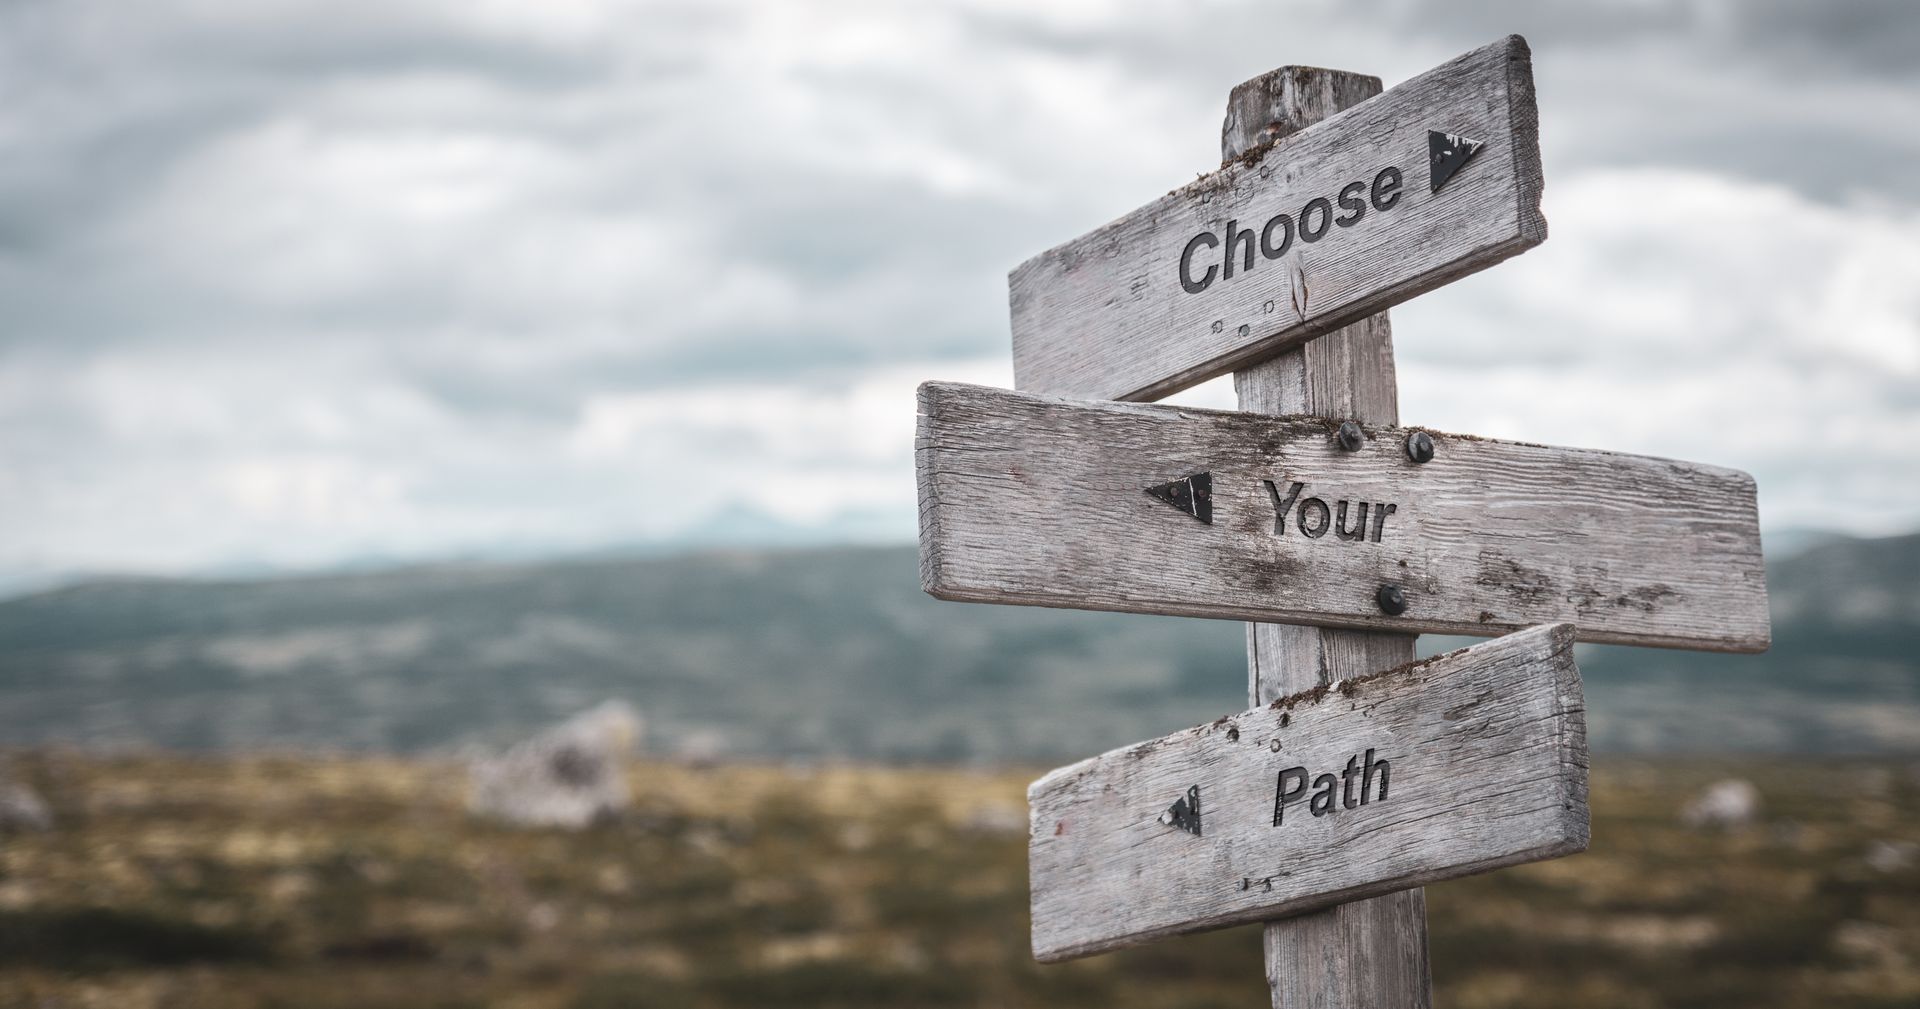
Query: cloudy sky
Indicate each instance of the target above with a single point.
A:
(294, 284)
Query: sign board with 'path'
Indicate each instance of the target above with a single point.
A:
(1158, 509)
(1432, 180)
(1456, 765)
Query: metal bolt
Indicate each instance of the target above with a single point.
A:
(1350, 436)
(1392, 600)
(1420, 446)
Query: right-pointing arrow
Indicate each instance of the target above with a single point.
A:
(1193, 495)
(1447, 153)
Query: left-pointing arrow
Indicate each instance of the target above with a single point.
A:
(1193, 495)
(1185, 812)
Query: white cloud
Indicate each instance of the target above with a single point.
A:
(295, 282)
(242, 457)
(867, 420)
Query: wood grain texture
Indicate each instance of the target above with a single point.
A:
(1372, 953)
(1482, 763)
(1282, 102)
(1364, 954)
(1106, 316)
(1036, 500)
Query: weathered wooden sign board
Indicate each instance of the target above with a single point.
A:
(1433, 180)
(1157, 509)
(1455, 765)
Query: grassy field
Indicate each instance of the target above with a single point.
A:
(363, 883)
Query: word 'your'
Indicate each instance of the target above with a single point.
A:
(1314, 517)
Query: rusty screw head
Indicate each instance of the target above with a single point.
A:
(1420, 446)
(1392, 600)
(1350, 436)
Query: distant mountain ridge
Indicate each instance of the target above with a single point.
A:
(833, 653)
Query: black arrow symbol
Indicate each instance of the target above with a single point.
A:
(1447, 153)
(1185, 812)
(1193, 495)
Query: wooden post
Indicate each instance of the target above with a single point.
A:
(1370, 954)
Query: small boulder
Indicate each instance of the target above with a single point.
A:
(1723, 804)
(1892, 856)
(703, 748)
(22, 810)
(569, 776)
(996, 819)
(1869, 942)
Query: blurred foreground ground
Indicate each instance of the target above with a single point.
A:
(364, 883)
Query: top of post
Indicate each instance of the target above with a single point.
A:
(1284, 101)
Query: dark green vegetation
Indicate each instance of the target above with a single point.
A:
(89, 939)
(827, 653)
(313, 884)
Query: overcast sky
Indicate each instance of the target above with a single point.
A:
(295, 284)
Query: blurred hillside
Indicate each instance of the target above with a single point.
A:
(834, 653)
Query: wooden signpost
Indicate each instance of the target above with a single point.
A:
(1459, 764)
(1358, 775)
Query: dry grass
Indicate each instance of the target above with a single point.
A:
(362, 883)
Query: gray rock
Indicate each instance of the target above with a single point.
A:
(703, 747)
(1001, 819)
(1892, 856)
(1723, 804)
(1869, 942)
(569, 776)
(21, 810)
